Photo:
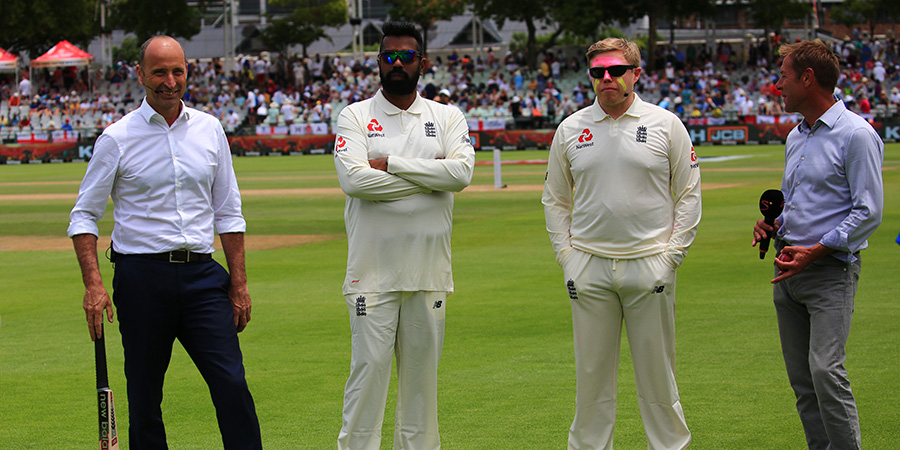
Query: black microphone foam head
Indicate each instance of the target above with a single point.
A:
(771, 204)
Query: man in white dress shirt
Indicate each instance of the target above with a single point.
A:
(399, 159)
(622, 205)
(168, 170)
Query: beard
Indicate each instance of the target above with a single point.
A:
(399, 86)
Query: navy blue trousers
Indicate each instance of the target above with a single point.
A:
(158, 302)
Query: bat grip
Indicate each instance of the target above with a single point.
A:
(100, 362)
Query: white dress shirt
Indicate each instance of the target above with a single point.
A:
(399, 222)
(172, 187)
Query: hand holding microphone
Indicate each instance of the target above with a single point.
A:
(770, 205)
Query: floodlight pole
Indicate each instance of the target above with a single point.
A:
(354, 18)
(105, 36)
(477, 36)
(229, 14)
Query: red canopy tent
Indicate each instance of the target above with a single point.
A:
(9, 63)
(61, 55)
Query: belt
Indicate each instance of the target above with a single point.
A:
(175, 256)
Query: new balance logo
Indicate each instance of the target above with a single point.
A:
(657, 289)
(573, 294)
(361, 305)
(437, 304)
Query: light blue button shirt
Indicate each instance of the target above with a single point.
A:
(832, 183)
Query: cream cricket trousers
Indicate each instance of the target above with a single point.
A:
(410, 324)
(604, 293)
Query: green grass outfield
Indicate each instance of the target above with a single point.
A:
(507, 377)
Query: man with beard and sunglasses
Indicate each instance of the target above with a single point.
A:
(622, 205)
(399, 159)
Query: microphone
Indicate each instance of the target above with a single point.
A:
(770, 205)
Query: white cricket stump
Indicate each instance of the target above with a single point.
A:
(498, 172)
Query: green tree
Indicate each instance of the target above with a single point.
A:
(557, 18)
(129, 52)
(305, 24)
(654, 11)
(36, 25)
(770, 15)
(149, 18)
(425, 13)
(866, 12)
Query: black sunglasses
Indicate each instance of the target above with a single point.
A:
(614, 71)
(405, 56)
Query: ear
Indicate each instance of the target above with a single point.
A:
(637, 73)
(808, 77)
(423, 64)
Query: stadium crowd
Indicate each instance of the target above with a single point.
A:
(279, 91)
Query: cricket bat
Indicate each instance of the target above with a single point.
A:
(109, 436)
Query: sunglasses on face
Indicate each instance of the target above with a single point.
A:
(405, 56)
(614, 71)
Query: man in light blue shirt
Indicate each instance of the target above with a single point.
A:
(833, 202)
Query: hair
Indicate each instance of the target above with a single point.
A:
(629, 48)
(814, 55)
(147, 44)
(394, 28)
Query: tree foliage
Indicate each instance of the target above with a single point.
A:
(556, 18)
(655, 12)
(149, 18)
(36, 25)
(861, 12)
(305, 24)
(772, 14)
(425, 13)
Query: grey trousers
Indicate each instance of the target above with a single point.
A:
(814, 309)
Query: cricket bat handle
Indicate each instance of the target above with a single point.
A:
(100, 361)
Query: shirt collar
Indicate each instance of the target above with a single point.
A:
(635, 110)
(829, 118)
(390, 109)
(147, 112)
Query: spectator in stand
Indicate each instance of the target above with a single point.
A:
(25, 85)
(865, 107)
(231, 121)
(289, 111)
(443, 97)
(272, 114)
(895, 96)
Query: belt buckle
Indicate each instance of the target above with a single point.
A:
(186, 258)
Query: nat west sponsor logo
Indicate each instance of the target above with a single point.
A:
(585, 139)
(718, 134)
(341, 145)
(694, 163)
(375, 128)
